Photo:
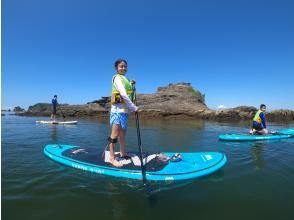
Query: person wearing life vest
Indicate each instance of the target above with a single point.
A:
(121, 104)
(54, 108)
(258, 123)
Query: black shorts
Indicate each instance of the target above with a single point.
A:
(257, 126)
(54, 111)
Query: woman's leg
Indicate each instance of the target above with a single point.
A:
(124, 118)
(114, 135)
(122, 142)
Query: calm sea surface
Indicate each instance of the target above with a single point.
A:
(256, 183)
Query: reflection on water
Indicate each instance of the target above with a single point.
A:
(54, 134)
(257, 150)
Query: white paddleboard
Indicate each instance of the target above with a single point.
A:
(57, 122)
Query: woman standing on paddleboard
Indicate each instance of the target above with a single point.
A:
(121, 104)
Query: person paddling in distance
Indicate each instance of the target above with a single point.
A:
(54, 108)
(258, 123)
(121, 104)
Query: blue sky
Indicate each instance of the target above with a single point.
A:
(236, 52)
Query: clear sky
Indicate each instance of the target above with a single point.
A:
(236, 52)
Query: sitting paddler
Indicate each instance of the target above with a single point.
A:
(258, 123)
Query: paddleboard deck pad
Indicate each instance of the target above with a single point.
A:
(57, 122)
(282, 134)
(158, 166)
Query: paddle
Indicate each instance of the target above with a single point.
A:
(62, 113)
(143, 168)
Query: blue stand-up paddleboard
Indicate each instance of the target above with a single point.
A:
(286, 133)
(165, 166)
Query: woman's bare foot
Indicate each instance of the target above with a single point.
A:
(115, 163)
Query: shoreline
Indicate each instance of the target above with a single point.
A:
(228, 115)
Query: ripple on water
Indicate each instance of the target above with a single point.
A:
(257, 174)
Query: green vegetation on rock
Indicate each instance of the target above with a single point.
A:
(18, 109)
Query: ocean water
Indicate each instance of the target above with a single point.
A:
(256, 183)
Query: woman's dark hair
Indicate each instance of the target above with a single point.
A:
(119, 61)
(262, 105)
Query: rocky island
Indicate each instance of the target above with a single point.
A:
(178, 100)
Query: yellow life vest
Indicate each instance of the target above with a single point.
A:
(257, 117)
(115, 95)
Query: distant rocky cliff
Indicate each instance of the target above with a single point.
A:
(174, 100)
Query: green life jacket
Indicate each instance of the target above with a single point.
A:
(115, 95)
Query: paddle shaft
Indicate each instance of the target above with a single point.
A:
(143, 168)
(61, 112)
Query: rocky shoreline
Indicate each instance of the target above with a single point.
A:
(178, 100)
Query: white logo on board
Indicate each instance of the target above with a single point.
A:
(208, 157)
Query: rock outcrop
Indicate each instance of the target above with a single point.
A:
(44, 109)
(280, 115)
(174, 100)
